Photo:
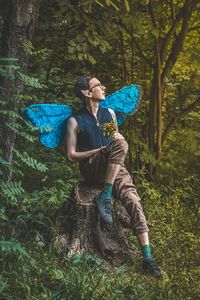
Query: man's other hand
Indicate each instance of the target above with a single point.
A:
(117, 136)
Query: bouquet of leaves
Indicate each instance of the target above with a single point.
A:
(108, 128)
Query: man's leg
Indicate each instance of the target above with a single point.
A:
(116, 155)
(107, 166)
(111, 173)
(143, 239)
(125, 190)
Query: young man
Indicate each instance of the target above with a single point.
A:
(101, 158)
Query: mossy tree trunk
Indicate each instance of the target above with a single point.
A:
(18, 22)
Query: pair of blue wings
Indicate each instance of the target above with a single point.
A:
(50, 119)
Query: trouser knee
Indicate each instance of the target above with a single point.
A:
(122, 145)
(118, 150)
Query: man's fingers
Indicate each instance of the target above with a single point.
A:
(118, 136)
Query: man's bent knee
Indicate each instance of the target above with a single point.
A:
(122, 144)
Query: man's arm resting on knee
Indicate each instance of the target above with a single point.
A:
(72, 132)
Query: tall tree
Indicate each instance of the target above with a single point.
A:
(165, 60)
(18, 22)
(158, 38)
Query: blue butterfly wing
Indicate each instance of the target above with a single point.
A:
(124, 101)
(50, 120)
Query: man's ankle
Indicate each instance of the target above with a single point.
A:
(146, 251)
(106, 192)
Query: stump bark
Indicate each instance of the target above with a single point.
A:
(82, 229)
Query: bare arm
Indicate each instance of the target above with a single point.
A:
(73, 155)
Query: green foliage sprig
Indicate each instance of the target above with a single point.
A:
(11, 190)
(13, 247)
(30, 81)
(30, 161)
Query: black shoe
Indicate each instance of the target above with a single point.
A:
(150, 267)
(105, 209)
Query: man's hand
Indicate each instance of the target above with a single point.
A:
(117, 136)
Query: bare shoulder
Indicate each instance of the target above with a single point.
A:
(72, 122)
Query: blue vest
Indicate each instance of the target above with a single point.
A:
(92, 133)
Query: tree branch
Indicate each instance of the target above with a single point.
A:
(173, 16)
(193, 28)
(178, 45)
(153, 19)
(176, 118)
(165, 43)
(172, 11)
(142, 55)
(140, 51)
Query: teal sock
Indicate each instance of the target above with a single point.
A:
(107, 191)
(146, 250)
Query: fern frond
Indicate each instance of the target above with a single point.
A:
(16, 169)
(30, 161)
(3, 161)
(30, 81)
(8, 75)
(27, 97)
(8, 59)
(10, 113)
(3, 102)
(3, 216)
(28, 47)
(12, 247)
(27, 136)
(30, 125)
(11, 189)
(18, 130)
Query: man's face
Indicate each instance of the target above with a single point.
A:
(97, 90)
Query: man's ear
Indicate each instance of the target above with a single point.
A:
(86, 93)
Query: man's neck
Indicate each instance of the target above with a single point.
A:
(92, 106)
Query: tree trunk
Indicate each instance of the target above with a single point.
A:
(82, 229)
(159, 102)
(164, 62)
(18, 24)
(123, 60)
(152, 121)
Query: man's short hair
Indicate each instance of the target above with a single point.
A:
(82, 83)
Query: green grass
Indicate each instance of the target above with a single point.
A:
(45, 273)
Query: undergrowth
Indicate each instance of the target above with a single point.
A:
(33, 269)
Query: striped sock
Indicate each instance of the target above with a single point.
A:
(146, 250)
(107, 192)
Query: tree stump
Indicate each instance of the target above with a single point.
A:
(82, 229)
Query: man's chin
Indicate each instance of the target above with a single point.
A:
(102, 99)
(99, 99)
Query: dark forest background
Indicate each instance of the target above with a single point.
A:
(44, 47)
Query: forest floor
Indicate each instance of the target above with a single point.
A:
(32, 268)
